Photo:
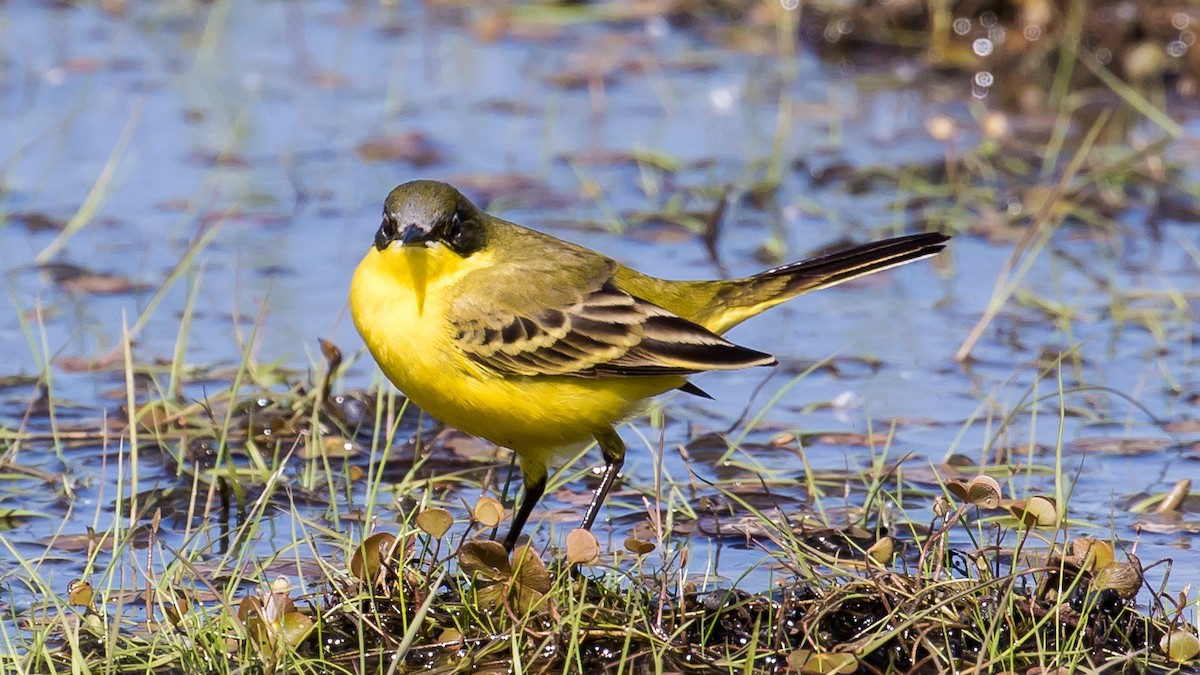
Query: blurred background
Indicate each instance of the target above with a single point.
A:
(201, 178)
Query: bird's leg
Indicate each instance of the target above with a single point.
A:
(533, 492)
(613, 450)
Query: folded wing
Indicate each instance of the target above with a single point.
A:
(603, 332)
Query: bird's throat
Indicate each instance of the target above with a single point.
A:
(417, 264)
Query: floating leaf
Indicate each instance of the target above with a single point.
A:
(294, 627)
(1180, 645)
(488, 512)
(371, 555)
(412, 147)
(250, 613)
(1120, 446)
(156, 417)
(10, 517)
(809, 662)
(450, 637)
(882, 550)
(80, 593)
(176, 604)
(435, 521)
(1037, 511)
(582, 547)
(982, 491)
(1092, 554)
(81, 280)
(38, 222)
(331, 447)
(638, 546)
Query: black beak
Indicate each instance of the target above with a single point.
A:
(415, 234)
(409, 235)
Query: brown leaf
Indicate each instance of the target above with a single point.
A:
(810, 662)
(294, 627)
(531, 581)
(80, 593)
(1124, 578)
(1180, 645)
(530, 571)
(330, 447)
(1091, 554)
(488, 512)
(582, 547)
(487, 559)
(435, 521)
(371, 556)
(1184, 426)
(882, 551)
(412, 147)
(80, 280)
(37, 222)
(1121, 446)
(982, 491)
(1037, 511)
(638, 546)
(845, 438)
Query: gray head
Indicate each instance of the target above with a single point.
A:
(427, 213)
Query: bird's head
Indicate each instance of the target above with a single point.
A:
(426, 213)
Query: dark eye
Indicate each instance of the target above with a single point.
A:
(386, 233)
(463, 234)
(388, 227)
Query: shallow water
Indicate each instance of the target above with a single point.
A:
(248, 121)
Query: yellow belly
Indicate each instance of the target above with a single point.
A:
(400, 313)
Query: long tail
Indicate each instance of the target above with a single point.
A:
(737, 300)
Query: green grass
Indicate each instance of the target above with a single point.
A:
(973, 588)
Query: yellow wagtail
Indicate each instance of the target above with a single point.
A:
(538, 344)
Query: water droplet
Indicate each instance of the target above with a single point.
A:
(987, 19)
(997, 34)
(982, 47)
(1033, 32)
(962, 26)
(657, 27)
(940, 127)
(789, 5)
(1103, 55)
(721, 99)
(1187, 37)
(1180, 20)
(979, 92)
(845, 26)
(1176, 48)
(984, 78)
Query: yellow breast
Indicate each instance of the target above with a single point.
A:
(399, 299)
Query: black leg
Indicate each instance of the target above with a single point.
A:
(533, 493)
(613, 449)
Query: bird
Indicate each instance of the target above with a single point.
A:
(540, 345)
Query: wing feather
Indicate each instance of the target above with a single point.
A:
(605, 332)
